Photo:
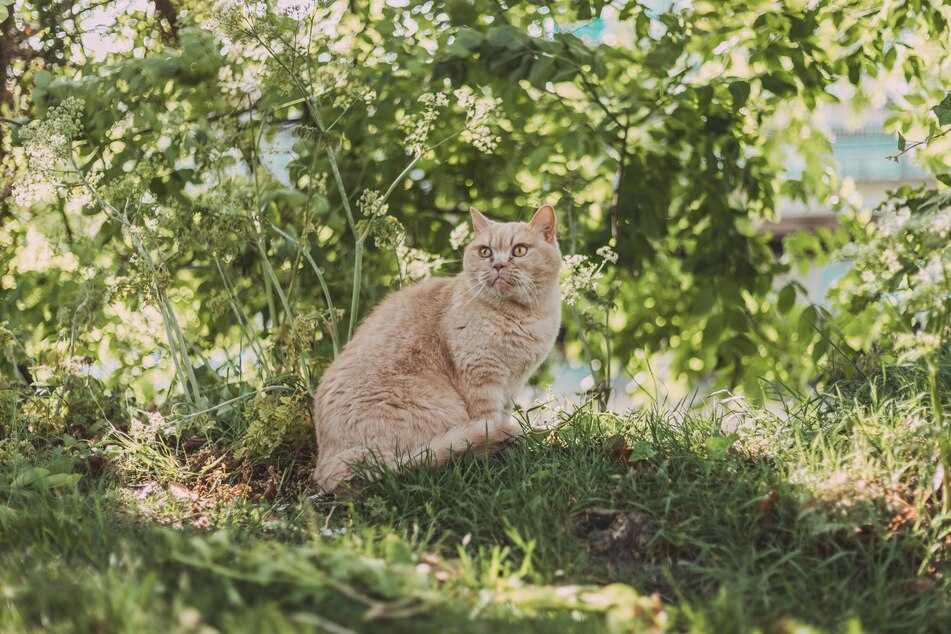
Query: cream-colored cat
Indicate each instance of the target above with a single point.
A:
(434, 368)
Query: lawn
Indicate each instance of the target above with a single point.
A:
(730, 517)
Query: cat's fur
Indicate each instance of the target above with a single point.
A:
(434, 369)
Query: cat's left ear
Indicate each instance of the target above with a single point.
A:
(544, 221)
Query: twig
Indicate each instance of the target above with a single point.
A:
(912, 146)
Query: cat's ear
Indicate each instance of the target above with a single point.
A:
(544, 221)
(479, 222)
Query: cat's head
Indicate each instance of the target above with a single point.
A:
(517, 261)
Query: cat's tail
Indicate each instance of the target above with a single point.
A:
(476, 437)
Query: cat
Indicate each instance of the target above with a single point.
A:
(434, 369)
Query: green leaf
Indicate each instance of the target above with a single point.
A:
(29, 476)
(642, 450)
(901, 142)
(943, 110)
(42, 78)
(718, 447)
(713, 329)
(787, 297)
(541, 71)
(60, 480)
(466, 40)
(740, 92)
(808, 322)
(703, 301)
(506, 36)
(741, 346)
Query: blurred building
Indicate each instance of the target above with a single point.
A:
(860, 151)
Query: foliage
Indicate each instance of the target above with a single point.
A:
(826, 517)
(193, 223)
(277, 421)
(209, 191)
(901, 278)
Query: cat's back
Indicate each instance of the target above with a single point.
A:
(408, 311)
(404, 326)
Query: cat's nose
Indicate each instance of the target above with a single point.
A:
(498, 266)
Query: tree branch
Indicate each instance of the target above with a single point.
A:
(165, 10)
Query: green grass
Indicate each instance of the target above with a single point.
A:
(823, 517)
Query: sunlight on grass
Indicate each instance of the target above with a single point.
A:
(825, 516)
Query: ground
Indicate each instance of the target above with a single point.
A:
(825, 516)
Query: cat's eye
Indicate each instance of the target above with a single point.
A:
(519, 250)
(485, 252)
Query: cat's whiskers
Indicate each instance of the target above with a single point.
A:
(529, 289)
(475, 294)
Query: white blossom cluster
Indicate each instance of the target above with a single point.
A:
(581, 276)
(460, 235)
(47, 144)
(319, 183)
(941, 223)
(244, 81)
(418, 127)
(482, 115)
(906, 266)
(838, 491)
(371, 204)
(416, 264)
(607, 254)
(146, 432)
(581, 273)
(354, 93)
(891, 224)
(296, 10)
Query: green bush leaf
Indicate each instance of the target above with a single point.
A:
(943, 110)
(740, 92)
(787, 298)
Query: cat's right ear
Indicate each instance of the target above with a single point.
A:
(479, 222)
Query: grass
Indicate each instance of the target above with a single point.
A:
(730, 519)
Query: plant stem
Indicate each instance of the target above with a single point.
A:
(334, 335)
(607, 360)
(357, 281)
(177, 345)
(275, 283)
(243, 320)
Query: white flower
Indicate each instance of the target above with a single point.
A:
(932, 273)
(255, 9)
(47, 145)
(146, 431)
(890, 259)
(891, 223)
(372, 205)
(607, 254)
(419, 126)
(353, 94)
(459, 235)
(295, 10)
(416, 264)
(941, 223)
(581, 275)
(482, 114)
(434, 100)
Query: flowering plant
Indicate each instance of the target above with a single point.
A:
(590, 301)
(901, 278)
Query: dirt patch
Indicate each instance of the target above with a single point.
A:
(617, 540)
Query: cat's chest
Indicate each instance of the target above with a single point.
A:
(519, 344)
